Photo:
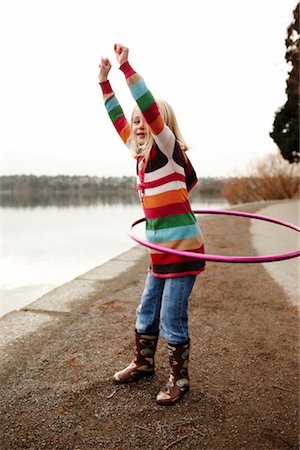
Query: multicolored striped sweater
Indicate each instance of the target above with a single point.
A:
(163, 183)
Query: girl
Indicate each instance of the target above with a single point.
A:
(165, 177)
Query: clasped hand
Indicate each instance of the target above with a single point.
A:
(121, 53)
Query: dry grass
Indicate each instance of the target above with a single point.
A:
(270, 179)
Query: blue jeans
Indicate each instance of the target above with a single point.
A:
(164, 308)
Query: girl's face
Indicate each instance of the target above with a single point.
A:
(139, 127)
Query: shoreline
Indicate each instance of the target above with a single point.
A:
(60, 299)
(18, 323)
(50, 247)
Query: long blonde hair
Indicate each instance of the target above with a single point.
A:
(170, 120)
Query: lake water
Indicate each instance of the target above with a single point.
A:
(44, 247)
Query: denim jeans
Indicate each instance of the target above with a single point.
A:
(164, 308)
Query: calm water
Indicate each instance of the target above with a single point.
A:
(44, 247)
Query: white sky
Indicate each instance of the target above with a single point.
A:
(220, 63)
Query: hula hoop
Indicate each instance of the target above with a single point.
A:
(219, 258)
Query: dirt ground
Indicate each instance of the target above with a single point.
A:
(56, 390)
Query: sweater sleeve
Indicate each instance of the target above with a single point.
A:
(162, 134)
(115, 112)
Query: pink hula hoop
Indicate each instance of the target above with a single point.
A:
(219, 258)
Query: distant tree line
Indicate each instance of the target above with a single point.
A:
(65, 190)
(64, 183)
(71, 184)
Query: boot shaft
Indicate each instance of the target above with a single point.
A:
(145, 348)
(179, 360)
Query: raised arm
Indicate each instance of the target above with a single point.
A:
(112, 105)
(163, 136)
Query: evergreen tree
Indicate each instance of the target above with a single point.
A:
(285, 131)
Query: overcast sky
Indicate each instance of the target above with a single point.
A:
(220, 63)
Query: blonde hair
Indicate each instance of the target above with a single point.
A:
(170, 120)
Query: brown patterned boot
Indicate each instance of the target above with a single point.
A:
(143, 365)
(178, 383)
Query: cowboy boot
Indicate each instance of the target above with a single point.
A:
(178, 383)
(143, 365)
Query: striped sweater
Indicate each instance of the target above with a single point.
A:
(164, 181)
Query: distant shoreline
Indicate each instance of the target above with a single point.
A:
(63, 190)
